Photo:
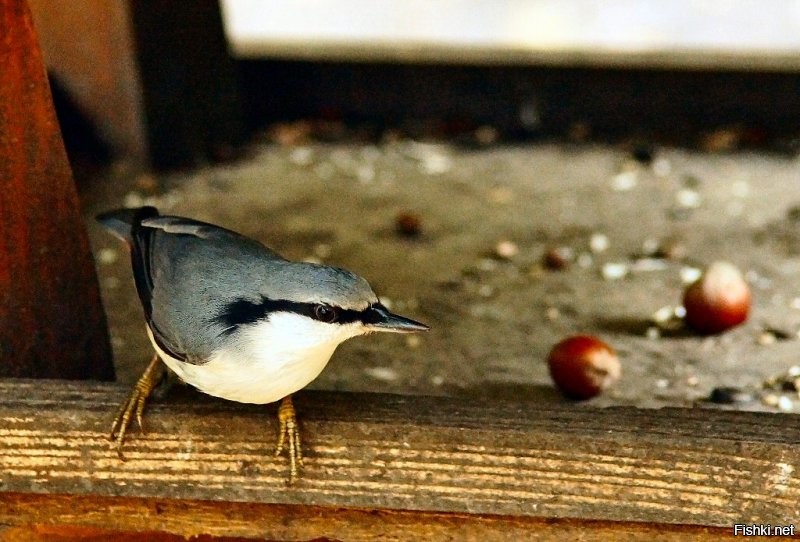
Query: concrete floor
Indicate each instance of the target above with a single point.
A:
(494, 319)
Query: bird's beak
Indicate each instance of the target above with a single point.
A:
(378, 318)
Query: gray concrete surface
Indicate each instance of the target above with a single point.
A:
(494, 319)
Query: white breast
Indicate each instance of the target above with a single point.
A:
(269, 360)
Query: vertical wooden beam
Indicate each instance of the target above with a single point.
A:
(189, 80)
(51, 321)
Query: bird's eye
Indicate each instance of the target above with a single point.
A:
(323, 313)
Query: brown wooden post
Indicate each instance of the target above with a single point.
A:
(51, 321)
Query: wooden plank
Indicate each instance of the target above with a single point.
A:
(368, 451)
(51, 322)
(76, 517)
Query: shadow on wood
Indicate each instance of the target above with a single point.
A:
(51, 321)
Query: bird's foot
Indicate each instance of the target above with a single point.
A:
(289, 437)
(134, 405)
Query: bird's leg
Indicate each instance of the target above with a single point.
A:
(289, 437)
(134, 405)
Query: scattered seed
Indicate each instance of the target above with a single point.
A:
(413, 341)
(408, 224)
(770, 399)
(648, 265)
(690, 274)
(653, 333)
(558, 258)
(766, 338)
(727, 395)
(385, 374)
(437, 380)
(552, 313)
(662, 383)
(624, 181)
(506, 250)
(785, 403)
(615, 270)
(687, 198)
(598, 243)
(692, 381)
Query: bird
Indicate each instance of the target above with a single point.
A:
(234, 319)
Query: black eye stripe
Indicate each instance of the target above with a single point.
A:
(243, 312)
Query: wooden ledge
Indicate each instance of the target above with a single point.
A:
(397, 454)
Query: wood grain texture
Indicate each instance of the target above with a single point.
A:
(134, 519)
(52, 324)
(370, 451)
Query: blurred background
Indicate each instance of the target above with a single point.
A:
(509, 172)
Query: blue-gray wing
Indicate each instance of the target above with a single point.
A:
(186, 272)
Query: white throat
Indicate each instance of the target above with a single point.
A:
(266, 361)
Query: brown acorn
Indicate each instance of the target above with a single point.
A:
(718, 300)
(582, 366)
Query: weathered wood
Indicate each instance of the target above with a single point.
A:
(679, 466)
(51, 322)
(78, 517)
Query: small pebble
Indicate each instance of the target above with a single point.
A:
(624, 181)
(386, 374)
(770, 399)
(506, 250)
(437, 380)
(552, 313)
(785, 403)
(598, 243)
(688, 199)
(615, 270)
(765, 338)
(408, 224)
(690, 274)
(692, 381)
(648, 265)
(726, 395)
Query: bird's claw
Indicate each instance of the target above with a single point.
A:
(134, 404)
(289, 437)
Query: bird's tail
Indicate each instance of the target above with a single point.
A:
(123, 222)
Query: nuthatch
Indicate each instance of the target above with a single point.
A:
(234, 319)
